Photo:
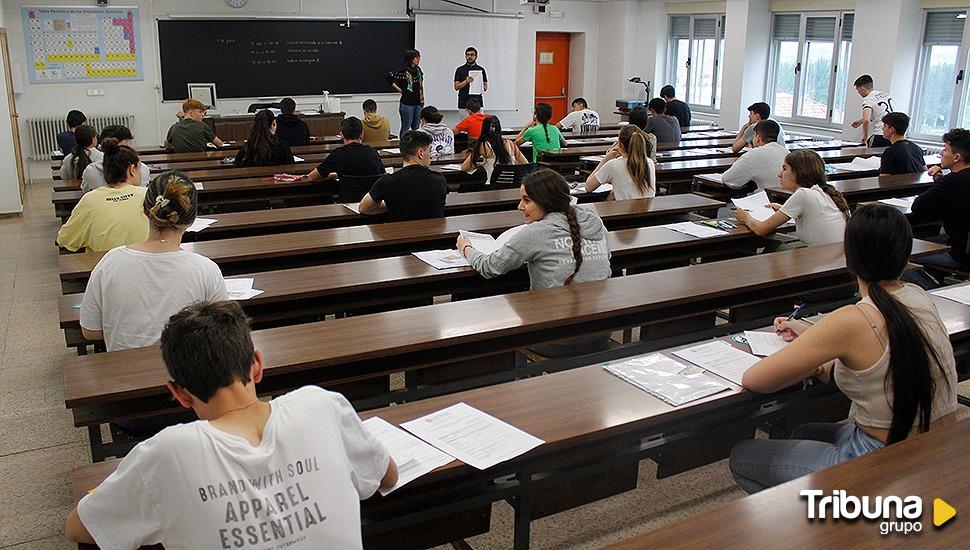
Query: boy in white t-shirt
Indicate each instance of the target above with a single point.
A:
(875, 105)
(582, 119)
(290, 472)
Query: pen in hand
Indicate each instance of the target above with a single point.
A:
(798, 309)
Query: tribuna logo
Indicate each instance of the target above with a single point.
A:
(896, 514)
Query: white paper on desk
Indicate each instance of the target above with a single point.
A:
(413, 457)
(930, 160)
(352, 206)
(721, 358)
(579, 188)
(755, 205)
(449, 167)
(199, 224)
(473, 437)
(394, 151)
(241, 288)
(198, 185)
(904, 202)
(593, 158)
(859, 164)
(764, 343)
(476, 87)
(486, 244)
(695, 230)
(389, 170)
(712, 177)
(957, 293)
(666, 378)
(298, 159)
(309, 113)
(442, 259)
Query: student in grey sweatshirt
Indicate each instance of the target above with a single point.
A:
(442, 138)
(561, 244)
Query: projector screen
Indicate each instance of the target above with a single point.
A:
(442, 40)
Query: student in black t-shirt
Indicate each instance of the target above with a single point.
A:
(263, 148)
(414, 192)
(65, 139)
(903, 156)
(463, 80)
(675, 107)
(352, 159)
(289, 127)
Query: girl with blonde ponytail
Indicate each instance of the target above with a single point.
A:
(627, 166)
(819, 210)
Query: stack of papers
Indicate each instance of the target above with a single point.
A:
(486, 244)
(904, 202)
(442, 259)
(755, 205)
(764, 343)
(695, 230)
(200, 223)
(721, 358)
(241, 289)
(413, 457)
(859, 164)
(957, 293)
(666, 378)
(473, 437)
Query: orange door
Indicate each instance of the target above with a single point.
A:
(552, 71)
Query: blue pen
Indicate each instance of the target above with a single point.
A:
(798, 309)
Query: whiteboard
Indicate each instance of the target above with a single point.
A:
(82, 44)
(442, 40)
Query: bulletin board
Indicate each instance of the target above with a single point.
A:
(81, 44)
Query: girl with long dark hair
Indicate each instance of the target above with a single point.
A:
(544, 136)
(85, 152)
(626, 166)
(263, 148)
(492, 148)
(889, 354)
(409, 82)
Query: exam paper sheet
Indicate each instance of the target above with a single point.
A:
(442, 259)
(764, 343)
(695, 229)
(721, 358)
(199, 224)
(472, 436)
(957, 293)
(755, 205)
(241, 288)
(413, 457)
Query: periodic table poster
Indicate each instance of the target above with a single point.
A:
(80, 44)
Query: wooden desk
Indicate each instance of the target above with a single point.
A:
(864, 189)
(606, 413)
(238, 127)
(258, 253)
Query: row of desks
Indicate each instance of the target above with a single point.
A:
(609, 425)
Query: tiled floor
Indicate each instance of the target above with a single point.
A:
(39, 445)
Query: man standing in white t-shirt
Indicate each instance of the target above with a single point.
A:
(582, 119)
(875, 105)
(290, 472)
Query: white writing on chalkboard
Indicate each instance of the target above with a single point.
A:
(226, 41)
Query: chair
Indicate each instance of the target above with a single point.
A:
(353, 188)
(462, 142)
(509, 176)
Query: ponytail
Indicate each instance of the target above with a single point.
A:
(577, 238)
(836, 197)
(543, 115)
(638, 152)
(117, 160)
(171, 201)
(878, 244)
(550, 191)
(84, 137)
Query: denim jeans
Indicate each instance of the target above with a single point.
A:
(410, 117)
(943, 260)
(758, 464)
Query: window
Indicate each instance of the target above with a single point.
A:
(939, 96)
(695, 53)
(809, 60)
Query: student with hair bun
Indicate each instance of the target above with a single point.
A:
(134, 289)
(85, 152)
(627, 166)
(93, 176)
(111, 215)
(819, 210)
(561, 244)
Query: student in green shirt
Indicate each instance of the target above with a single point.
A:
(190, 134)
(544, 136)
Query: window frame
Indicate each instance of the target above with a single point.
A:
(712, 103)
(837, 41)
(960, 102)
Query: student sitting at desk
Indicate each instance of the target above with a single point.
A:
(377, 129)
(664, 126)
(190, 134)
(65, 139)
(544, 136)
(903, 156)
(819, 210)
(85, 152)
(442, 138)
(560, 244)
(760, 165)
(111, 215)
(627, 166)
(492, 148)
(93, 176)
(472, 124)
(638, 118)
(756, 113)
(263, 148)
(414, 192)
(889, 354)
(289, 127)
(352, 159)
(582, 119)
(289, 472)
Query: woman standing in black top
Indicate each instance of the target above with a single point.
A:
(263, 148)
(409, 82)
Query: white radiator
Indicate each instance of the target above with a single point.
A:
(43, 131)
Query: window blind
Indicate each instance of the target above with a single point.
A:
(943, 27)
(786, 26)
